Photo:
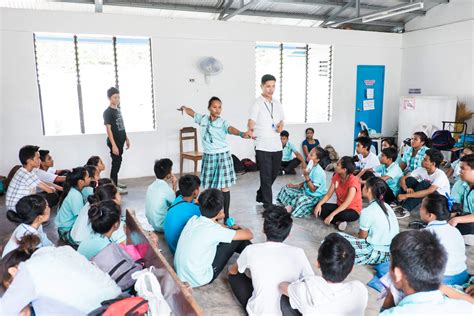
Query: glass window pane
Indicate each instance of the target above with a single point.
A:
(58, 83)
(319, 83)
(97, 74)
(135, 83)
(267, 61)
(294, 82)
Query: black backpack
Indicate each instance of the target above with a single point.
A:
(442, 140)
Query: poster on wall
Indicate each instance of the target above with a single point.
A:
(409, 104)
(368, 105)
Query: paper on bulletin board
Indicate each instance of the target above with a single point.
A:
(370, 93)
(409, 104)
(369, 105)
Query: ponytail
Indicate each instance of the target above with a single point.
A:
(348, 163)
(103, 216)
(28, 209)
(425, 139)
(378, 187)
(103, 193)
(72, 179)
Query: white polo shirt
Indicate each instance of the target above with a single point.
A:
(266, 116)
(45, 176)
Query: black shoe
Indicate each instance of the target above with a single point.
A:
(417, 225)
(259, 198)
(291, 171)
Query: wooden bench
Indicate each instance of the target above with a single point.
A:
(178, 295)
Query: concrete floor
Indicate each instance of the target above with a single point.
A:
(307, 233)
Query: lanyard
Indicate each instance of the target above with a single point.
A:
(271, 113)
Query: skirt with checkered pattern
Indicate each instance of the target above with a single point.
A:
(365, 252)
(217, 171)
(301, 203)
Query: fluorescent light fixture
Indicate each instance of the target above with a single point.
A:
(392, 12)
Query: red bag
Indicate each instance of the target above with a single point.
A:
(130, 306)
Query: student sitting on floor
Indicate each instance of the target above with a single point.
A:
(96, 161)
(82, 229)
(390, 143)
(269, 263)
(435, 211)
(288, 163)
(159, 195)
(31, 212)
(55, 281)
(310, 142)
(413, 156)
(348, 193)
(455, 169)
(300, 198)
(105, 220)
(93, 172)
(368, 161)
(462, 195)
(47, 164)
(365, 133)
(205, 246)
(329, 294)
(422, 181)
(417, 265)
(378, 226)
(26, 182)
(390, 172)
(181, 210)
(72, 202)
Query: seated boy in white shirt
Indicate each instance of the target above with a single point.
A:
(327, 295)
(418, 262)
(269, 263)
(47, 165)
(421, 182)
(368, 161)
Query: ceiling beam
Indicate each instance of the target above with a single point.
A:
(99, 6)
(242, 9)
(225, 9)
(337, 12)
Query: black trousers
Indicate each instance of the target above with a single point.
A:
(242, 287)
(116, 161)
(224, 252)
(286, 309)
(348, 215)
(269, 164)
(290, 166)
(412, 183)
(388, 197)
(52, 198)
(466, 228)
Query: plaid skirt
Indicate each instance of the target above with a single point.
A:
(365, 252)
(301, 203)
(217, 171)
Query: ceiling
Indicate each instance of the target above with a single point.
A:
(345, 14)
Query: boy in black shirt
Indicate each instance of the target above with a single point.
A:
(116, 134)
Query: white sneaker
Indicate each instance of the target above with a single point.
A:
(122, 191)
(401, 212)
(342, 226)
(122, 185)
(468, 239)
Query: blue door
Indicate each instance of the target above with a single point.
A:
(369, 97)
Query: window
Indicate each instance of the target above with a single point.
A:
(304, 79)
(74, 73)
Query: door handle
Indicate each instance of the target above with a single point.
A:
(359, 110)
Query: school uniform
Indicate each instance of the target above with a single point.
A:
(176, 218)
(456, 165)
(393, 183)
(462, 194)
(23, 183)
(93, 245)
(397, 161)
(203, 250)
(315, 296)
(303, 199)
(68, 212)
(86, 192)
(453, 243)
(288, 161)
(429, 303)
(22, 230)
(342, 189)
(113, 117)
(420, 180)
(381, 230)
(159, 197)
(270, 264)
(413, 162)
(58, 280)
(371, 161)
(217, 170)
(266, 115)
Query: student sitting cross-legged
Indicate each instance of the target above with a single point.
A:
(93, 172)
(378, 226)
(159, 195)
(300, 198)
(288, 162)
(435, 211)
(269, 264)
(413, 156)
(464, 198)
(455, 169)
(182, 209)
(422, 181)
(348, 193)
(205, 246)
(390, 172)
(327, 294)
(367, 160)
(417, 266)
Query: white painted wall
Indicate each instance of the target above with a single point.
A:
(177, 45)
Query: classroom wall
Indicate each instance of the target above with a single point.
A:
(438, 55)
(177, 46)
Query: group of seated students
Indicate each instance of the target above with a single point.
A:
(269, 278)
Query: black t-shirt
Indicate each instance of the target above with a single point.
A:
(113, 117)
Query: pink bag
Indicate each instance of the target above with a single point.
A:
(136, 252)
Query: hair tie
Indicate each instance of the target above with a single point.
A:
(450, 201)
(381, 197)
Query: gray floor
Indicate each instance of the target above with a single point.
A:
(307, 233)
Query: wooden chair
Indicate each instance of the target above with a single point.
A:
(188, 133)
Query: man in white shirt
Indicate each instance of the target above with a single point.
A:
(423, 181)
(269, 263)
(266, 123)
(368, 161)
